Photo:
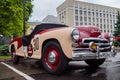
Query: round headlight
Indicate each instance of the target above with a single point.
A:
(75, 34)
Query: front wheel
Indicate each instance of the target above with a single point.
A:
(95, 62)
(15, 58)
(53, 58)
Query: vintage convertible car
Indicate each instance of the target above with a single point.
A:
(57, 44)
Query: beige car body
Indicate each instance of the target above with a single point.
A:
(62, 36)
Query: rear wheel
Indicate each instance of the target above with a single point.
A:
(53, 58)
(15, 58)
(95, 62)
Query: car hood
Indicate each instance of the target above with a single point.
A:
(89, 31)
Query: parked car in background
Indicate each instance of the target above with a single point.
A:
(57, 44)
(117, 38)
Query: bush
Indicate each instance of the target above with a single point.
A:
(117, 43)
(4, 49)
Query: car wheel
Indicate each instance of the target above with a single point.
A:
(53, 58)
(95, 62)
(15, 58)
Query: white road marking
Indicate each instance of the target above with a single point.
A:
(18, 72)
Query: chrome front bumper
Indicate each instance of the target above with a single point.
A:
(80, 54)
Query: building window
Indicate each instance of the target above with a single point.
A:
(76, 11)
(76, 18)
(92, 13)
(85, 18)
(107, 15)
(107, 21)
(89, 19)
(104, 15)
(76, 7)
(104, 30)
(81, 23)
(114, 21)
(76, 23)
(97, 14)
(100, 20)
(80, 12)
(64, 13)
(111, 31)
(89, 13)
(110, 16)
(97, 19)
(100, 14)
(97, 25)
(111, 26)
(93, 19)
(113, 16)
(62, 16)
(104, 20)
(85, 13)
(81, 18)
(110, 21)
(104, 26)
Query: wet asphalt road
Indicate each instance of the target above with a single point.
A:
(77, 70)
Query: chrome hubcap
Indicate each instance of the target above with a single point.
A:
(52, 57)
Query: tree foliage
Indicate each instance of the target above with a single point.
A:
(117, 25)
(11, 16)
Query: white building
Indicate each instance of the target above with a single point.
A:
(75, 13)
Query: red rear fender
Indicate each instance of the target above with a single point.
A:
(18, 40)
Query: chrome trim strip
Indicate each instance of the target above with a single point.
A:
(77, 49)
(81, 49)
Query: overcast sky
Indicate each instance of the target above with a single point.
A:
(42, 8)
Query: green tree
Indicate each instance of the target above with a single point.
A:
(11, 16)
(117, 25)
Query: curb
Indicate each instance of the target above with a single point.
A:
(5, 60)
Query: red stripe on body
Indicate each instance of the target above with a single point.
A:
(18, 40)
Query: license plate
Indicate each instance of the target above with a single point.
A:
(104, 55)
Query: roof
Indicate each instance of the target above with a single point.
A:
(50, 19)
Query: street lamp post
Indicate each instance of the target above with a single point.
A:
(24, 18)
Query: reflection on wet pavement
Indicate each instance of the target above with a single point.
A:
(107, 71)
(113, 71)
(77, 70)
(83, 73)
(74, 72)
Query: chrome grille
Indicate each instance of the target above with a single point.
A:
(102, 43)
